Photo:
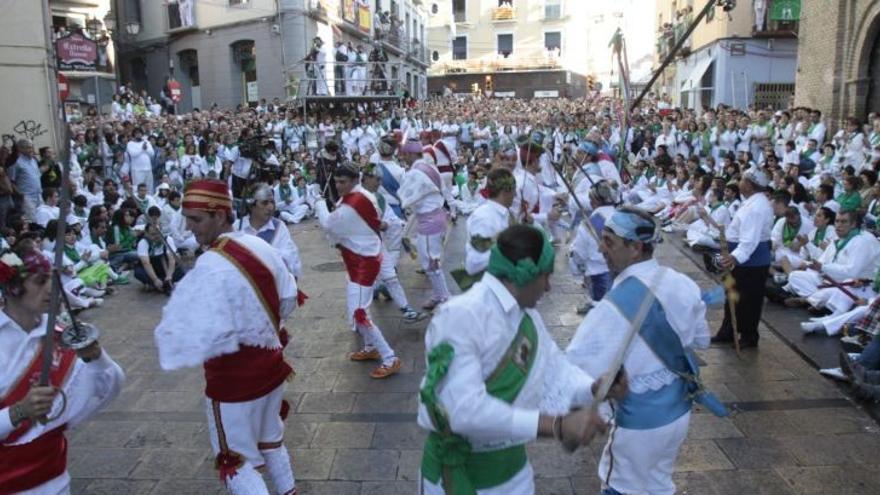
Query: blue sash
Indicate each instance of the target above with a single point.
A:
(269, 235)
(657, 408)
(390, 184)
(761, 256)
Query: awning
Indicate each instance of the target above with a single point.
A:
(692, 83)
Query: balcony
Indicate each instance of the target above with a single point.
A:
(180, 18)
(482, 66)
(503, 14)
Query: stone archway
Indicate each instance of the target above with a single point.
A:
(863, 63)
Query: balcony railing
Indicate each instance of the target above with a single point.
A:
(503, 14)
(348, 79)
(181, 17)
(495, 65)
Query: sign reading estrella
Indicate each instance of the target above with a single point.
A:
(76, 52)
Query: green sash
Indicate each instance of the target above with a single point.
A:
(448, 456)
(820, 236)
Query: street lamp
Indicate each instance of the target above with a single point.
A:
(94, 26)
(132, 28)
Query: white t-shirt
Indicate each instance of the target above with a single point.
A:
(144, 250)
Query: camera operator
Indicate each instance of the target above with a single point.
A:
(315, 70)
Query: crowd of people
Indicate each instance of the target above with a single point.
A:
(786, 208)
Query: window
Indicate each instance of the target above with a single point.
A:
(459, 10)
(435, 55)
(505, 3)
(505, 44)
(459, 48)
(434, 8)
(553, 41)
(552, 9)
(238, 2)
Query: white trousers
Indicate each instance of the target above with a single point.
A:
(803, 282)
(641, 462)
(834, 323)
(358, 299)
(254, 430)
(294, 214)
(523, 483)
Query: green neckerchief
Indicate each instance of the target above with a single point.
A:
(707, 142)
(820, 235)
(285, 191)
(448, 456)
(789, 233)
(876, 285)
(713, 208)
(841, 243)
(71, 253)
(301, 191)
(849, 201)
(874, 138)
(96, 240)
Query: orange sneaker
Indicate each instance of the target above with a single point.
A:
(365, 355)
(386, 370)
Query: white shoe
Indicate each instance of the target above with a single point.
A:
(96, 302)
(89, 292)
(812, 326)
(851, 339)
(835, 373)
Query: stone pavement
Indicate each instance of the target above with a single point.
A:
(795, 433)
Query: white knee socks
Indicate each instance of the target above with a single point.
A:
(247, 481)
(279, 469)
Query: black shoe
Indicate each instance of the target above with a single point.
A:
(720, 338)
(748, 344)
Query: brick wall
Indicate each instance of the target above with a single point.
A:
(834, 49)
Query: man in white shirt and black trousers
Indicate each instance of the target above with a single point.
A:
(748, 238)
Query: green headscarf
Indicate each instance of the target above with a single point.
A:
(525, 270)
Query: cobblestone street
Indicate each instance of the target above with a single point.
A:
(794, 432)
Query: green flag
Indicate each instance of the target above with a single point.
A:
(785, 10)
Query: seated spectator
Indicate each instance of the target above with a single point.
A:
(157, 266)
(122, 240)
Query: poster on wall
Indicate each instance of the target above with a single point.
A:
(76, 52)
(364, 18)
(72, 111)
(253, 94)
(348, 11)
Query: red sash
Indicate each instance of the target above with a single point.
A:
(31, 464)
(445, 169)
(256, 273)
(62, 364)
(362, 270)
(251, 372)
(364, 208)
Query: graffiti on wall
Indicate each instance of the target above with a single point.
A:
(28, 129)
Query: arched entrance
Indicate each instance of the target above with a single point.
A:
(872, 101)
(244, 71)
(189, 75)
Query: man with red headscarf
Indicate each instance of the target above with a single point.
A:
(235, 331)
(33, 450)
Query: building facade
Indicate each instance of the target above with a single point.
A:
(542, 48)
(29, 59)
(520, 48)
(747, 56)
(838, 68)
(231, 52)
